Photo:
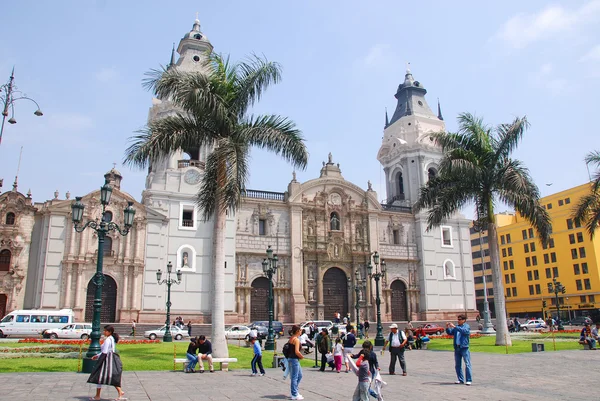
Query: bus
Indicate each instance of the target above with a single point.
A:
(33, 323)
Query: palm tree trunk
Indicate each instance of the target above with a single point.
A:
(502, 335)
(218, 340)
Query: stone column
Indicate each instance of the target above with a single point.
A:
(297, 284)
(126, 291)
(72, 234)
(136, 280)
(67, 290)
(78, 285)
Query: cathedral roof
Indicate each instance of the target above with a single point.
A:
(194, 39)
(411, 99)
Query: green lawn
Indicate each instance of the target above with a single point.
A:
(520, 344)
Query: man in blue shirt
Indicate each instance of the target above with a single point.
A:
(461, 335)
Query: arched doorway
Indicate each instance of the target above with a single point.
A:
(259, 300)
(108, 312)
(3, 302)
(335, 293)
(399, 309)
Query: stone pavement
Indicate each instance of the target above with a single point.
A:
(564, 375)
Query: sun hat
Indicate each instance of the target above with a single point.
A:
(394, 326)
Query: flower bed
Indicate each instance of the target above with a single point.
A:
(447, 337)
(77, 342)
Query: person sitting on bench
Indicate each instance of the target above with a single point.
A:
(586, 337)
(205, 353)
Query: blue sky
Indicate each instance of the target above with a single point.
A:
(83, 62)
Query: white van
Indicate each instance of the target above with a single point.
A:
(32, 323)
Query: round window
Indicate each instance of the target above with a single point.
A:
(420, 103)
(196, 58)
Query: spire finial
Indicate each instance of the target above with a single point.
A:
(408, 68)
(197, 16)
(114, 165)
(172, 61)
(440, 110)
(387, 120)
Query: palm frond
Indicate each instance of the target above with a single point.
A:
(587, 211)
(255, 75)
(509, 136)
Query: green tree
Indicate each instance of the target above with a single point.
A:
(477, 169)
(587, 210)
(212, 111)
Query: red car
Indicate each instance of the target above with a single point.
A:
(430, 328)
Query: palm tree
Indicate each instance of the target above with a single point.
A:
(213, 112)
(477, 168)
(587, 210)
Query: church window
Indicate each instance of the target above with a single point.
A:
(396, 234)
(262, 227)
(400, 181)
(446, 236)
(107, 249)
(420, 102)
(196, 58)
(334, 221)
(431, 174)
(187, 216)
(108, 216)
(10, 218)
(449, 269)
(5, 256)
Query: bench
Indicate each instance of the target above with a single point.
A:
(223, 363)
(585, 345)
(424, 345)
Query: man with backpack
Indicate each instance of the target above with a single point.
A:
(397, 341)
(325, 346)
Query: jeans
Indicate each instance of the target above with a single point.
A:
(257, 360)
(361, 393)
(295, 375)
(459, 355)
(397, 353)
(193, 360)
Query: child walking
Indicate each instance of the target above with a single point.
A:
(257, 358)
(361, 393)
(338, 354)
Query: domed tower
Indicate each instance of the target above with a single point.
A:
(114, 178)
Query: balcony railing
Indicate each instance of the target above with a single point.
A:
(187, 223)
(267, 195)
(190, 163)
(394, 208)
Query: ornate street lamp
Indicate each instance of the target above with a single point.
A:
(102, 228)
(167, 338)
(377, 274)
(556, 287)
(488, 327)
(9, 94)
(269, 266)
(358, 286)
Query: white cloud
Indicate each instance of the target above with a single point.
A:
(524, 29)
(378, 55)
(107, 74)
(592, 55)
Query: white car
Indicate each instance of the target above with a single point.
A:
(237, 332)
(176, 333)
(75, 330)
(534, 324)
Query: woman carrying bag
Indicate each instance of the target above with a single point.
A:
(108, 369)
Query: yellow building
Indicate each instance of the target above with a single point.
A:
(571, 257)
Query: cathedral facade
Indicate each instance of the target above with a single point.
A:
(324, 232)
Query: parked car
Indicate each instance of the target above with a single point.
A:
(533, 324)
(430, 328)
(277, 328)
(176, 333)
(237, 332)
(76, 330)
(321, 324)
(580, 321)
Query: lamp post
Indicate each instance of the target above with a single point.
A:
(9, 94)
(379, 272)
(102, 228)
(358, 285)
(269, 266)
(556, 287)
(167, 338)
(488, 327)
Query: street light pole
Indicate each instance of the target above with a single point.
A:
(488, 327)
(9, 94)
(357, 288)
(167, 337)
(270, 268)
(556, 287)
(102, 228)
(377, 275)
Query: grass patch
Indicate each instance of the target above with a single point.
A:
(520, 344)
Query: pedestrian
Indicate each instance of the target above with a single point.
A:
(108, 368)
(397, 341)
(366, 327)
(191, 355)
(132, 328)
(345, 321)
(478, 318)
(189, 327)
(205, 353)
(325, 347)
(257, 360)
(294, 363)
(338, 354)
(361, 393)
(409, 325)
(461, 334)
(349, 343)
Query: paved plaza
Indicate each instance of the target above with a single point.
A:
(564, 375)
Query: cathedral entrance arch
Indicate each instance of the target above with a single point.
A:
(399, 306)
(108, 312)
(335, 293)
(259, 299)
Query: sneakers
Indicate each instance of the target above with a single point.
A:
(262, 374)
(298, 397)
(468, 383)
(253, 374)
(458, 382)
